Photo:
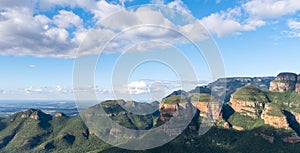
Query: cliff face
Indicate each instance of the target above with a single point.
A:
(278, 108)
(248, 108)
(205, 103)
(249, 101)
(277, 120)
(212, 109)
(298, 84)
(286, 82)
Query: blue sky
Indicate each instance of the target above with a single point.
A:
(40, 41)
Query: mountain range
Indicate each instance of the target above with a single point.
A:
(258, 115)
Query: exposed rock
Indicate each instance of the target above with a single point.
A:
(35, 117)
(24, 116)
(267, 137)
(59, 115)
(178, 109)
(207, 105)
(249, 101)
(298, 85)
(226, 125)
(286, 82)
(237, 128)
(205, 108)
(277, 121)
(293, 139)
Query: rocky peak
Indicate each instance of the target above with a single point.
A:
(59, 115)
(249, 101)
(178, 93)
(286, 82)
(286, 76)
(34, 114)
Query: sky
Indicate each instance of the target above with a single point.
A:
(42, 42)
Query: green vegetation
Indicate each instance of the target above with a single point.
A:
(175, 100)
(245, 122)
(251, 93)
(199, 97)
(287, 100)
(276, 110)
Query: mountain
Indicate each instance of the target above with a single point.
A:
(232, 84)
(253, 120)
(286, 82)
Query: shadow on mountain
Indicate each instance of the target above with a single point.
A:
(291, 119)
(44, 119)
(2, 125)
(6, 140)
(227, 111)
(69, 138)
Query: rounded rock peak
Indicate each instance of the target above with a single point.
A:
(287, 76)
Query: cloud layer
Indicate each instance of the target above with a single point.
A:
(26, 28)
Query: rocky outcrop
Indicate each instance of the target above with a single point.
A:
(247, 108)
(293, 139)
(274, 117)
(207, 105)
(249, 101)
(286, 82)
(180, 110)
(206, 108)
(297, 88)
(59, 115)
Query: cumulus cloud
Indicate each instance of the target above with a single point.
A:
(230, 21)
(67, 19)
(250, 16)
(271, 8)
(293, 24)
(179, 5)
(27, 32)
(294, 29)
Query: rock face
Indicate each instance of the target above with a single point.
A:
(212, 109)
(298, 84)
(207, 105)
(277, 120)
(286, 82)
(249, 101)
(59, 115)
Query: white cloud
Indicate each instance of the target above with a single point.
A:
(103, 9)
(32, 66)
(179, 5)
(293, 24)
(138, 87)
(231, 21)
(32, 90)
(250, 16)
(124, 1)
(27, 33)
(294, 29)
(157, 1)
(67, 19)
(49, 37)
(222, 23)
(271, 8)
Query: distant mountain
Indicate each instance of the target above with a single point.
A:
(232, 84)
